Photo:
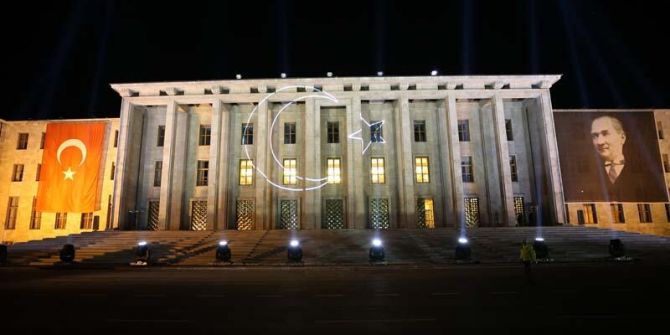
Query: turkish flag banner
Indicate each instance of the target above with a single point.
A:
(71, 164)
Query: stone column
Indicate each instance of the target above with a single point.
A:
(164, 212)
(455, 158)
(505, 174)
(553, 162)
(312, 199)
(261, 138)
(405, 164)
(119, 201)
(443, 138)
(214, 167)
(355, 164)
(223, 166)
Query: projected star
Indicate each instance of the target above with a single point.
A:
(69, 174)
(376, 133)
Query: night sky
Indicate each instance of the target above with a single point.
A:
(61, 56)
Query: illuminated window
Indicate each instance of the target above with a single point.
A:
(512, 168)
(519, 211)
(86, 221)
(203, 172)
(246, 172)
(376, 133)
(425, 213)
(61, 221)
(377, 170)
(35, 216)
(617, 213)
(508, 130)
(466, 169)
(22, 142)
(645, 212)
(421, 170)
(39, 170)
(160, 138)
(248, 133)
(471, 211)
(590, 214)
(333, 132)
(158, 172)
(464, 130)
(334, 174)
(289, 133)
(205, 135)
(419, 131)
(12, 211)
(17, 173)
(290, 172)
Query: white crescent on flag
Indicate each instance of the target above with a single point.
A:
(73, 142)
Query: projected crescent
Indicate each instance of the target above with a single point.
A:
(73, 142)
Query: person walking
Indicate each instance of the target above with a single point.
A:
(528, 257)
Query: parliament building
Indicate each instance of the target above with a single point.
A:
(339, 153)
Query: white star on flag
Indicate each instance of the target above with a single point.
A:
(358, 135)
(69, 174)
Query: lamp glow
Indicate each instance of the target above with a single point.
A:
(238, 76)
(380, 73)
(377, 242)
(223, 243)
(433, 73)
(294, 243)
(462, 240)
(329, 74)
(539, 239)
(283, 75)
(142, 243)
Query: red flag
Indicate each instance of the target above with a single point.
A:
(71, 162)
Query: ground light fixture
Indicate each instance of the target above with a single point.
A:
(294, 252)
(67, 253)
(142, 253)
(463, 251)
(3, 254)
(616, 248)
(541, 248)
(377, 253)
(223, 251)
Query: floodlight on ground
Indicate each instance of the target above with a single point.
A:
(541, 248)
(283, 75)
(142, 252)
(3, 254)
(223, 251)
(433, 73)
(380, 73)
(616, 248)
(376, 253)
(463, 251)
(238, 76)
(294, 252)
(67, 253)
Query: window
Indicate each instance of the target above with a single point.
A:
(419, 131)
(160, 139)
(113, 170)
(158, 173)
(519, 211)
(12, 211)
(247, 133)
(17, 173)
(508, 130)
(617, 213)
(590, 214)
(333, 132)
(42, 140)
(35, 216)
(466, 169)
(377, 170)
(425, 213)
(659, 127)
(464, 130)
(290, 171)
(203, 171)
(667, 212)
(289, 133)
(205, 135)
(421, 169)
(39, 170)
(645, 212)
(61, 221)
(334, 174)
(86, 221)
(512, 168)
(376, 134)
(666, 163)
(116, 138)
(23, 142)
(246, 172)
(471, 211)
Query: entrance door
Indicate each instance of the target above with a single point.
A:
(580, 216)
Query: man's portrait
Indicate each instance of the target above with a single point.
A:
(610, 157)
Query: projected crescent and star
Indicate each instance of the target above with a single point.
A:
(72, 142)
(314, 182)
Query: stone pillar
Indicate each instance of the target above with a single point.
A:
(120, 204)
(443, 140)
(405, 164)
(505, 174)
(164, 212)
(261, 138)
(356, 185)
(223, 166)
(214, 167)
(455, 158)
(311, 216)
(553, 164)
